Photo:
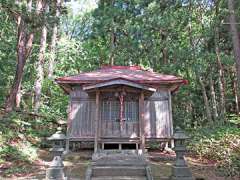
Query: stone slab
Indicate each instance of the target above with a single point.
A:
(119, 178)
(118, 171)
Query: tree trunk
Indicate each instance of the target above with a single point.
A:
(164, 54)
(221, 76)
(220, 66)
(112, 40)
(164, 49)
(41, 58)
(19, 96)
(235, 90)
(205, 98)
(29, 5)
(24, 46)
(54, 41)
(213, 96)
(101, 60)
(40, 64)
(19, 92)
(235, 40)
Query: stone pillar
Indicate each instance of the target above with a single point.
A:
(180, 170)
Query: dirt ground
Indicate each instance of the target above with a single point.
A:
(76, 164)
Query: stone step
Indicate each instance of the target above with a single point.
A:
(120, 178)
(120, 160)
(118, 171)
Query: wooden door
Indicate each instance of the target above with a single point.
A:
(110, 121)
(130, 125)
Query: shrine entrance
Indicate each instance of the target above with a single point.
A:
(119, 114)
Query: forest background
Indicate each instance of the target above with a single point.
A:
(196, 39)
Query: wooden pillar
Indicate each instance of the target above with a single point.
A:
(170, 118)
(96, 122)
(99, 117)
(141, 121)
(67, 144)
(69, 123)
(170, 112)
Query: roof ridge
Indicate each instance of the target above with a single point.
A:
(132, 67)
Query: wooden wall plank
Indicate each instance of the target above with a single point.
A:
(158, 115)
(147, 118)
(82, 115)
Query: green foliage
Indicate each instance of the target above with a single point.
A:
(16, 170)
(7, 53)
(234, 119)
(156, 146)
(21, 134)
(220, 144)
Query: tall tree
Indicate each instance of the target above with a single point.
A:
(19, 92)
(42, 5)
(26, 22)
(199, 76)
(235, 89)
(57, 7)
(112, 45)
(219, 62)
(24, 45)
(112, 39)
(235, 39)
(205, 98)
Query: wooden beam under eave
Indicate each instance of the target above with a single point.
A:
(119, 82)
(96, 122)
(108, 89)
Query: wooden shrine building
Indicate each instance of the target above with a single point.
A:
(120, 105)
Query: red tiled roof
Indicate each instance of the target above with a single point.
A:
(131, 73)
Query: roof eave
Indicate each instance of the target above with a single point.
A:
(119, 82)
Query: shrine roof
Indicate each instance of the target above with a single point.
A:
(131, 73)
